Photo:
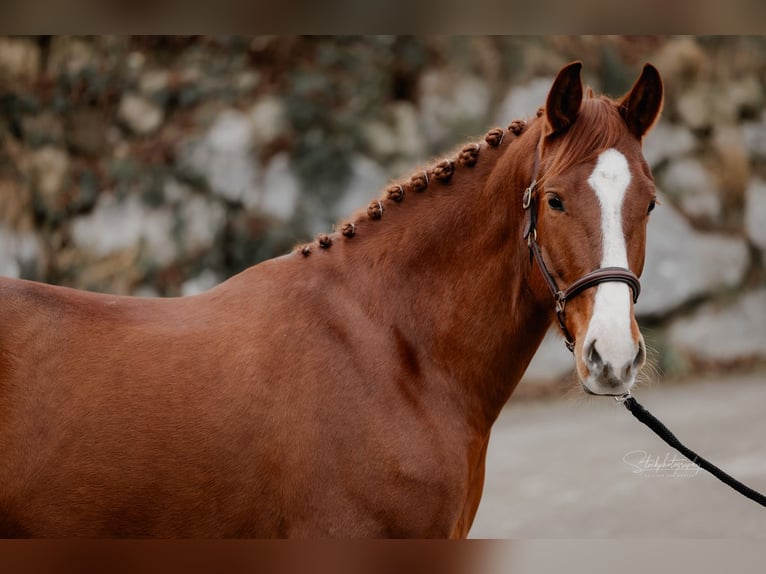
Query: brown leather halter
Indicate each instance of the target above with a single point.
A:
(601, 275)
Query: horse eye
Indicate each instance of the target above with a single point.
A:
(652, 204)
(555, 203)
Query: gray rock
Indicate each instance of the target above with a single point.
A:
(49, 167)
(451, 104)
(380, 138)
(681, 59)
(471, 98)
(247, 81)
(231, 133)
(754, 136)
(551, 363)
(199, 221)
(135, 61)
(668, 141)
(201, 283)
(366, 183)
(44, 128)
(697, 107)
(397, 139)
(280, 190)
(146, 291)
(522, 102)
(407, 127)
(19, 58)
(743, 94)
(705, 104)
(115, 225)
(88, 130)
(139, 114)
(268, 118)
(755, 212)
(682, 263)
(18, 251)
(729, 160)
(175, 192)
(154, 82)
(199, 218)
(694, 186)
(71, 56)
(224, 157)
(724, 334)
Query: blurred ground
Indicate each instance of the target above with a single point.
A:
(575, 468)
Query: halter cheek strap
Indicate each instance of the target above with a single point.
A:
(560, 297)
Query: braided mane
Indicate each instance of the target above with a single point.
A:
(441, 172)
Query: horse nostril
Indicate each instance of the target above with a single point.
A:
(592, 355)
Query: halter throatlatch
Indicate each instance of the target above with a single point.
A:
(560, 297)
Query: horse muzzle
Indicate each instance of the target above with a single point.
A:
(615, 377)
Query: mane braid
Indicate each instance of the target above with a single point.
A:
(395, 193)
(467, 156)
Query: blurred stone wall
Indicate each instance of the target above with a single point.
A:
(162, 165)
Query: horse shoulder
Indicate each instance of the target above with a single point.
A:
(331, 361)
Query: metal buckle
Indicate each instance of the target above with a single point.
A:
(531, 237)
(527, 199)
(560, 302)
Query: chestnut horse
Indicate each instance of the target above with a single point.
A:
(347, 389)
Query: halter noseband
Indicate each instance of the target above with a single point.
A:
(601, 275)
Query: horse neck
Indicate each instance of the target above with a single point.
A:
(448, 269)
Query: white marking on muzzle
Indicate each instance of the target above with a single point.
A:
(609, 326)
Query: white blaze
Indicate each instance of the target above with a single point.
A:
(610, 324)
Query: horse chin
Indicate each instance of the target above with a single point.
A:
(605, 394)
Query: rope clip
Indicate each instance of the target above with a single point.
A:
(622, 398)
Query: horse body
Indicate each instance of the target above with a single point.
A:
(346, 391)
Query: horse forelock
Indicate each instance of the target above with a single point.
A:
(598, 127)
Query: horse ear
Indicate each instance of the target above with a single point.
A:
(564, 99)
(641, 106)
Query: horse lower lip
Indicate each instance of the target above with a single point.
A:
(587, 390)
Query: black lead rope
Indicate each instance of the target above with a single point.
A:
(664, 433)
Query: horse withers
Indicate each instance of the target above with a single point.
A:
(347, 389)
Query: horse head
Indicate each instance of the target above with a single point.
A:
(587, 209)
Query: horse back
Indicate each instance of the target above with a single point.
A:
(107, 403)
